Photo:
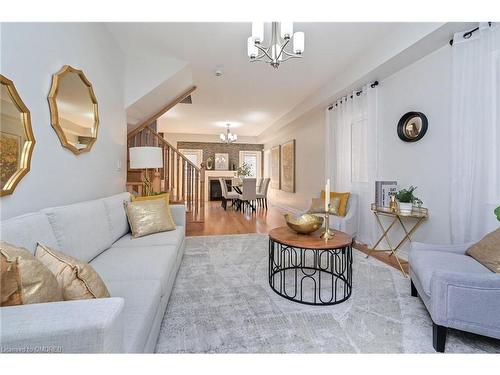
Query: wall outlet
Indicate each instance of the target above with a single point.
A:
(118, 165)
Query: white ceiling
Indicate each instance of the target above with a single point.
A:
(251, 96)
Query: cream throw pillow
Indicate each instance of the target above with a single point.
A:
(487, 251)
(318, 206)
(24, 279)
(77, 279)
(149, 216)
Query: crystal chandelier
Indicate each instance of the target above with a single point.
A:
(228, 137)
(275, 53)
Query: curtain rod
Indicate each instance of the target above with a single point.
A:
(469, 33)
(358, 93)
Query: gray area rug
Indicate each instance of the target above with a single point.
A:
(222, 303)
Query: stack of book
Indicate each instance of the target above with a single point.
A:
(383, 192)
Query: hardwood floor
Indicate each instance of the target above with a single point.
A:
(220, 222)
(384, 257)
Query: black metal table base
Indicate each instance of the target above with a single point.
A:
(312, 277)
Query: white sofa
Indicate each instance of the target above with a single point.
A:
(139, 274)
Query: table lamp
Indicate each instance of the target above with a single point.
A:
(146, 158)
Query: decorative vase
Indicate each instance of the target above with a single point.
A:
(393, 205)
(405, 208)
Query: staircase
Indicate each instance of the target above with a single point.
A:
(180, 177)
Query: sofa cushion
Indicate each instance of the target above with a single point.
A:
(149, 216)
(116, 214)
(24, 279)
(487, 251)
(174, 237)
(136, 263)
(77, 279)
(27, 230)
(344, 198)
(82, 230)
(142, 300)
(425, 263)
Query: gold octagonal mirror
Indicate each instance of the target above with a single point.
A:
(73, 109)
(16, 137)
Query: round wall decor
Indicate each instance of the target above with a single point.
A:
(412, 126)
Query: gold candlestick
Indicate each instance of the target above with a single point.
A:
(327, 234)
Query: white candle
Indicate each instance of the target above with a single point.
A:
(327, 195)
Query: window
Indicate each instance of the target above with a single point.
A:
(253, 160)
(194, 156)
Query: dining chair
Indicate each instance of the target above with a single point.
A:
(259, 184)
(248, 193)
(227, 195)
(262, 194)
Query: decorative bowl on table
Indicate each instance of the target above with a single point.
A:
(304, 224)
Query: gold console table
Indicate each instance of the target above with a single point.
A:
(419, 214)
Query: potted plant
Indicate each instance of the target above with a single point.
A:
(244, 170)
(497, 212)
(406, 200)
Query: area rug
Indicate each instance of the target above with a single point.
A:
(221, 303)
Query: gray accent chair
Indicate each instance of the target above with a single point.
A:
(138, 272)
(348, 223)
(458, 291)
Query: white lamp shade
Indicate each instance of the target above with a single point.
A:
(251, 49)
(286, 30)
(145, 157)
(258, 32)
(298, 42)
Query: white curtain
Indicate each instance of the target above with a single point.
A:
(475, 133)
(351, 148)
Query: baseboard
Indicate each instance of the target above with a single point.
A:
(286, 208)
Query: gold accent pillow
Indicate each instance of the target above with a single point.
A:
(165, 196)
(24, 279)
(78, 280)
(318, 206)
(344, 198)
(487, 251)
(149, 216)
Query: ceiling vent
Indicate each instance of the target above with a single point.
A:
(187, 100)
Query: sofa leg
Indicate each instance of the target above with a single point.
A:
(439, 337)
(414, 291)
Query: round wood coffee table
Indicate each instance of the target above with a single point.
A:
(308, 269)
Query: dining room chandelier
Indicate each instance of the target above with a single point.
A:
(228, 137)
(276, 51)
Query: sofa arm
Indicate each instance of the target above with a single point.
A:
(465, 301)
(179, 214)
(83, 326)
(458, 249)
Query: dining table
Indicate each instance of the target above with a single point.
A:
(237, 185)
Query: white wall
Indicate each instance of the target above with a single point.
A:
(145, 73)
(309, 134)
(30, 54)
(173, 138)
(424, 87)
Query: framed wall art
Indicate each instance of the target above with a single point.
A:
(288, 166)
